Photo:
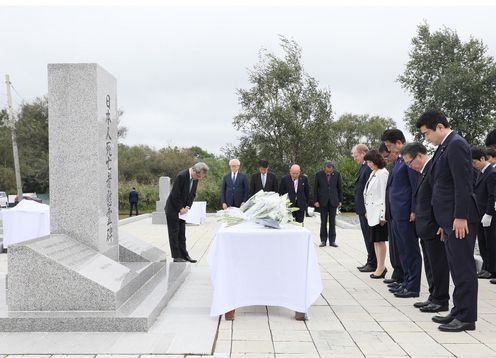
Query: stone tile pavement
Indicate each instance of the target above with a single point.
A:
(354, 317)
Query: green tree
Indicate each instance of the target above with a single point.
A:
(458, 78)
(284, 118)
(351, 129)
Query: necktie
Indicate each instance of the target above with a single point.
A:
(190, 185)
(234, 177)
(296, 185)
(328, 178)
(263, 181)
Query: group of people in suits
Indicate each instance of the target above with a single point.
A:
(436, 205)
(328, 193)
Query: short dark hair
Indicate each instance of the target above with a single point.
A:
(413, 149)
(376, 158)
(263, 163)
(491, 138)
(478, 153)
(431, 119)
(393, 135)
(383, 148)
(329, 164)
(491, 152)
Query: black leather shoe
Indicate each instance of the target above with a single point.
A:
(397, 289)
(394, 285)
(484, 274)
(361, 267)
(322, 244)
(333, 244)
(457, 326)
(422, 304)
(388, 281)
(179, 260)
(493, 280)
(406, 294)
(443, 319)
(433, 307)
(367, 268)
(382, 275)
(187, 258)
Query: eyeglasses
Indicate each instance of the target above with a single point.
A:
(410, 161)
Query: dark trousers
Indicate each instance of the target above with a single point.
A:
(326, 212)
(394, 256)
(409, 252)
(369, 245)
(299, 215)
(486, 238)
(177, 236)
(436, 270)
(460, 254)
(135, 205)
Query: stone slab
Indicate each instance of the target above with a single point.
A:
(82, 122)
(158, 218)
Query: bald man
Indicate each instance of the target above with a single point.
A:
(296, 186)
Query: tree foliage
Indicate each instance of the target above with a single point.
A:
(351, 129)
(284, 118)
(456, 77)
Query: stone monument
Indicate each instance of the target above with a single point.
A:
(158, 216)
(84, 276)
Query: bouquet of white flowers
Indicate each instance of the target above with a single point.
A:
(267, 208)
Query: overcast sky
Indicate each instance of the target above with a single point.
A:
(178, 68)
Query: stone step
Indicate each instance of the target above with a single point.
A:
(137, 314)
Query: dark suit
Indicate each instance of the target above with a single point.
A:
(486, 236)
(234, 194)
(402, 202)
(133, 201)
(298, 199)
(270, 183)
(328, 192)
(452, 197)
(361, 180)
(394, 256)
(181, 196)
(435, 261)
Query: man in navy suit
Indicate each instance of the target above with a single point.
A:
(358, 152)
(394, 257)
(296, 186)
(179, 202)
(133, 201)
(328, 195)
(234, 191)
(264, 180)
(455, 210)
(401, 191)
(431, 235)
(484, 194)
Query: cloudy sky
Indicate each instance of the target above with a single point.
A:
(178, 67)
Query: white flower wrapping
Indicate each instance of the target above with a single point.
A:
(266, 208)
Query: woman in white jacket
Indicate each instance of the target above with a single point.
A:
(375, 205)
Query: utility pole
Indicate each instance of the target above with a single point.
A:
(11, 125)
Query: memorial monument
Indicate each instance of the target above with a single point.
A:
(158, 216)
(84, 276)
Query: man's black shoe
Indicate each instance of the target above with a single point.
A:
(179, 260)
(367, 268)
(406, 294)
(389, 280)
(457, 326)
(322, 244)
(443, 319)
(190, 259)
(394, 285)
(333, 244)
(433, 307)
(493, 280)
(397, 289)
(421, 304)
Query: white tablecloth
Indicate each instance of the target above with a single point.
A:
(197, 214)
(252, 265)
(27, 220)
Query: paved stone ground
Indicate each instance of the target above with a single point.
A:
(354, 317)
